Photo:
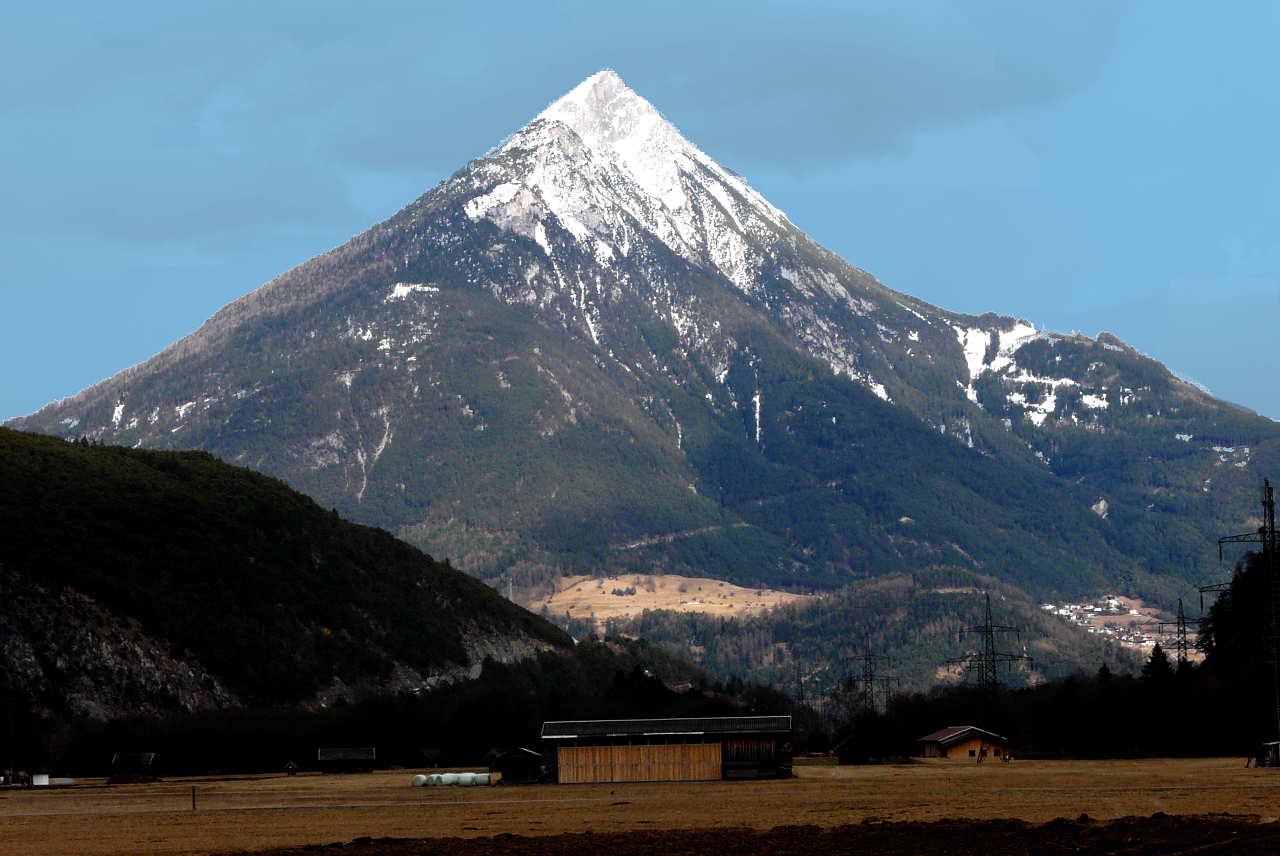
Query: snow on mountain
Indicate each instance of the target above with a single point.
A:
(622, 132)
(622, 127)
(604, 162)
(601, 172)
(991, 350)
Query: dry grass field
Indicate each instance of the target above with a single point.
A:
(587, 597)
(258, 813)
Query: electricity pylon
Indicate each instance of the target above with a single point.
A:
(1266, 536)
(874, 687)
(986, 661)
(1179, 627)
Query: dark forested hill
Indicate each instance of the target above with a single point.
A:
(137, 581)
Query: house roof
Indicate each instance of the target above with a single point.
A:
(567, 729)
(959, 733)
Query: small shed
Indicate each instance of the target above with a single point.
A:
(1267, 755)
(518, 766)
(967, 742)
(347, 759)
(670, 750)
(132, 763)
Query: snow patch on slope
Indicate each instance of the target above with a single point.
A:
(976, 342)
(401, 290)
(500, 195)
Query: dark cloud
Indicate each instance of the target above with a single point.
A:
(155, 122)
(802, 83)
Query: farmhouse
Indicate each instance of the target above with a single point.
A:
(963, 741)
(670, 750)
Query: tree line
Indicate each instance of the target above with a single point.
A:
(1223, 705)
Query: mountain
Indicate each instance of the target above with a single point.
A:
(594, 349)
(144, 582)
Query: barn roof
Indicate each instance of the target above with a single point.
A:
(958, 733)
(519, 752)
(654, 727)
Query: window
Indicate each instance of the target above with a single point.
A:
(972, 752)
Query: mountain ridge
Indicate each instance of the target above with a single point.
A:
(539, 358)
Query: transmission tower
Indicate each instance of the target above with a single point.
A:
(874, 687)
(1181, 644)
(1213, 588)
(1266, 536)
(986, 661)
(799, 679)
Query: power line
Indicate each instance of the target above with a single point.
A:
(985, 663)
(1181, 644)
(874, 687)
(1266, 536)
(799, 678)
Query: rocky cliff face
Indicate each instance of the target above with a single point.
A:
(75, 658)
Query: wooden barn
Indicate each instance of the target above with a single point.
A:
(670, 750)
(966, 742)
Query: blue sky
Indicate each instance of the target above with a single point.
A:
(1087, 166)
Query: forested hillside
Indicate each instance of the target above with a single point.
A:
(912, 623)
(218, 571)
(1224, 705)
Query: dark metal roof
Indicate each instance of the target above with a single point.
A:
(957, 733)
(654, 727)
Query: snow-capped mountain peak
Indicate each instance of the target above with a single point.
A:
(607, 114)
(603, 160)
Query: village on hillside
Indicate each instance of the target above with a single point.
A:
(1124, 620)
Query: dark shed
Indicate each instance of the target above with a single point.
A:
(517, 766)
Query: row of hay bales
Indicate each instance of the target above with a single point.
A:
(447, 779)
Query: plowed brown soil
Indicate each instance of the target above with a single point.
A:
(930, 807)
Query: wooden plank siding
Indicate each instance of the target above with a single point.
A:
(682, 762)
(751, 749)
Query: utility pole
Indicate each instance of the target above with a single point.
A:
(1266, 536)
(986, 661)
(8, 695)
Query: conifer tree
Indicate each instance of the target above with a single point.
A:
(1158, 669)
